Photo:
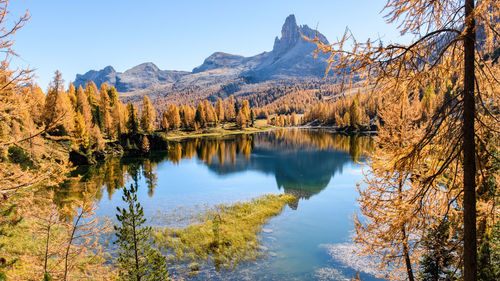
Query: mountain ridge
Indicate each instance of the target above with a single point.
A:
(291, 58)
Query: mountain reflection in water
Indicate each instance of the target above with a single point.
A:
(303, 161)
(315, 165)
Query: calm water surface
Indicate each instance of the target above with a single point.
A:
(309, 240)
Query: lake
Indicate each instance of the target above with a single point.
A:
(309, 240)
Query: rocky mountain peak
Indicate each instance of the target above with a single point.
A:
(109, 69)
(144, 67)
(292, 57)
(290, 29)
(219, 60)
(290, 35)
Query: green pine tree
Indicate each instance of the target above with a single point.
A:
(236, 107)
(488, 257)
(138, 259)
(198, 118)
(437, 259)
(133, 121)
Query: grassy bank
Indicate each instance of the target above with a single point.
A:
(226, 235)
(222, 130)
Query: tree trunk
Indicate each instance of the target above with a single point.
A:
(136, 255)
(406, 253)
(47, 248)
(70, 242)
(469, 165)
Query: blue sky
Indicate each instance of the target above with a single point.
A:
(75, 36)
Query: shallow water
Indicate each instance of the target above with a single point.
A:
(320, 168)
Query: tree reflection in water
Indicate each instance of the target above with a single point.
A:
(303, 161)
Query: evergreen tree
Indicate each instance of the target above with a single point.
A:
(355, 112)
(92, 92)
(113, 95)
(230, 115)
(437, 260)
(80, 132)
(145, 144)
(138, 260)
(50, 112)
(236, 108)
(173, 117)
(245, 108)
(293, 119)
(83, 106)
(36, 101)
(206, 112)
(449, 29)
(428, 100)
(241, 120)
(252, 117)
(104, 108)
(219, 110)
(346, 121)
(489, 255)
(58, 109)
(116, 116)
(198, 117)
(72, 94)
(164, 122)
(148, 115)
(132, 122)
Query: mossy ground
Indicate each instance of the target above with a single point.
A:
(226, 235)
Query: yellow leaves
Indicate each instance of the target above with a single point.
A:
(48, 232)
(174, 118)
(148, 116)
(241, 119)
(80, 132)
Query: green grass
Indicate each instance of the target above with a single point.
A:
(226, 235)
(221, 130)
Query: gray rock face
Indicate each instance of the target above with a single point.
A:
(139, 77)
(144, 76)
(291, 58)
(105, 75)
(290, 35)
(220, 60)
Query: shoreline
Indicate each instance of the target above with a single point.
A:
(226, 132)
(159, 141)
(214, 133)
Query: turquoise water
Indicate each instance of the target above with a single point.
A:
(302, 242)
